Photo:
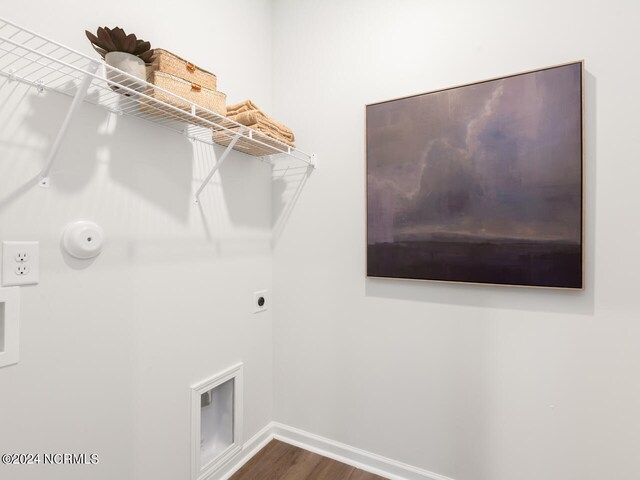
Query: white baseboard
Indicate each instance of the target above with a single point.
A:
(370, 462)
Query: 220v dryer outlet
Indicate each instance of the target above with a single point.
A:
(20, 263)
(260, 301)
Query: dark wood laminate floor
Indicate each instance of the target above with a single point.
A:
(281, 461)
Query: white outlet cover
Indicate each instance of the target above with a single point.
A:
(256, 298)
(20, 263)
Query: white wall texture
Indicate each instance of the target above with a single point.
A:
(108, 352)
(471, 382)
(476, 383)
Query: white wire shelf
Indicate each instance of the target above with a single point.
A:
(49, 66)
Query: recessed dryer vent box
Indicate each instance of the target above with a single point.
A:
(216, 421)
(9, 325)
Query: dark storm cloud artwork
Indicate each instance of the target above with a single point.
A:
(480, 183)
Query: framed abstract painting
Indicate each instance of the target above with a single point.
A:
(480, 183)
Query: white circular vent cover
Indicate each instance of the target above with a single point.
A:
(83, 239)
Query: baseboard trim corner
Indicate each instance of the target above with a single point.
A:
(370, 462)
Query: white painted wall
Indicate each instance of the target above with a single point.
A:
(108, 352)
(476, 383)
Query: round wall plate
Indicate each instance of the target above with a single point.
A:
(83, 239)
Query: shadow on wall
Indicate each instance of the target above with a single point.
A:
(247, 200)
(245, 186)
(233, 206)
(288, 183)
(513, 298)
(155, 166)
(76, 161)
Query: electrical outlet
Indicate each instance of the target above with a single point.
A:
(22, 270)
(20, 263)
(260, 301)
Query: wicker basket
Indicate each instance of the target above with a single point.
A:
(208, 99)
(167, 62)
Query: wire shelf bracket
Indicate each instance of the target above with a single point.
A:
(32, 59)
(219, 163)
